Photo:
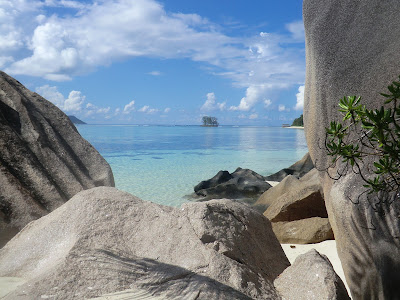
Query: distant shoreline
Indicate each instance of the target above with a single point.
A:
(295, 127)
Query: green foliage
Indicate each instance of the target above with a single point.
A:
(210, 121)
(372, 134)
(298, 121)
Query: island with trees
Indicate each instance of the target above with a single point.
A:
(298, 121)
(210, 122)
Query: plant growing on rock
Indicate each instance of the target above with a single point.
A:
(369, 135)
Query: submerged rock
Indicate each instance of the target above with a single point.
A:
(243, 183)
(104, 240)
(298, 169)
(43, 159)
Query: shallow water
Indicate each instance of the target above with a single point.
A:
(163, 163)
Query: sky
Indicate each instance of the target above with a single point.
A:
(167, 62)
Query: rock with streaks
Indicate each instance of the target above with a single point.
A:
(105, 241)
(44, 161)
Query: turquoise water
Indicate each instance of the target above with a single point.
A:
(163, 163)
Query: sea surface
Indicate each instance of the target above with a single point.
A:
(162, 164)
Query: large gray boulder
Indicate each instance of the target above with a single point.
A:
(43, 159)
(352, 48)
(311, 277)
(303, 201)
(290, 182)
(104, 241)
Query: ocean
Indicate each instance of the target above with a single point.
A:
(162, 164)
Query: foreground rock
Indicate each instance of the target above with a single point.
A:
(341, 61)
(43, 159)
(311, 277)
(298, 169)
(104, 240)
(242, 183)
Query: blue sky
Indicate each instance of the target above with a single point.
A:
(159, 62)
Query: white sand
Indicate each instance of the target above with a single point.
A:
(327, 247)
(295, 127)
(272, 183)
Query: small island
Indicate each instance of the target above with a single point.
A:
(75, 120)
(298, 122)
(210, 122)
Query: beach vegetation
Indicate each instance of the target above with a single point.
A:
(298, 121)
(367, 142)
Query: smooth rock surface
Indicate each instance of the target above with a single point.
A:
(298, 169)
(305, 231)
(105, 241)
(311, 277)
(305, 201)
(242, 183)
(290, 182)
(352, 49)
(43, 159)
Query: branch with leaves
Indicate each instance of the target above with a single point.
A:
(369, 133)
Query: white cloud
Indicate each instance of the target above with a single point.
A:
(129, 107)
(253, 94)
(211, 104)
(296, 29)
(146, 109)
(167, 110)
(221, 106)
(253, 116)
(281, 107)
(59, 47)
(300, 99)
(52, 94)
(267, 103)
(73, 103)
(91, 109)
(155, 73)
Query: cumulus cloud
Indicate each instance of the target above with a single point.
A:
(254, 94)
(211, 103)
(267, 103)
(253, 116)
(93, 109)
(129, 107)
(296, 29)
(73, 103)
(155, 73)
(59, 47)
(281, 107)
(148, 110)
(167, 110)
(300, 99)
